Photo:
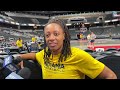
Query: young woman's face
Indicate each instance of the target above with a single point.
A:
(54, 37)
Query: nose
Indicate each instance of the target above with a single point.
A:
(52, 37)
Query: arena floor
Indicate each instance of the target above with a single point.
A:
(98, 42)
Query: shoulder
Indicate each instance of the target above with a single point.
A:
(39, 56)
(78, 55)
(41, 52)
(76, 50)
(79, 52)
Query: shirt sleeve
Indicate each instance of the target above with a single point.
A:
(39, 57)
(89, 65)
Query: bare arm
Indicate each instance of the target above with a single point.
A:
(28, 56)
(107, 73)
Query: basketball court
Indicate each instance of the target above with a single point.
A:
(99, 44)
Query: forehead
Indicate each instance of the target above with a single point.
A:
(53, 26)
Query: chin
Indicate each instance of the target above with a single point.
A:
(53, 49)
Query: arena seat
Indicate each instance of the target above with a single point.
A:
(89, 50)
(23, 52)
(111, 49)
(113, 62)
(36, 71)
(3, 54)
(1, 63)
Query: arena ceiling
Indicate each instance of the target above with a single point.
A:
(49, 13)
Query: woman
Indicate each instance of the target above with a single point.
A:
(92, 39)
(59, 60)
(19, 44)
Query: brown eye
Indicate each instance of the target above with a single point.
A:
(56, 34)
(47, 35)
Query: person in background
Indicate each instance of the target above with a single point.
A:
(59, 60)
(19, 44)
(110, 35)
(41, 38)
(92, 39)
(88, 39)
(33, 39)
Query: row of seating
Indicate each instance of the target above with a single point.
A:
(111, 58)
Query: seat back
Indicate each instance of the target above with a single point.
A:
(113, 62)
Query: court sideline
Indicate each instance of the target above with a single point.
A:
(98, 42)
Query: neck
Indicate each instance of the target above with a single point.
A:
(56, 52)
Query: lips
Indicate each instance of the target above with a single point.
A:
(52, 44)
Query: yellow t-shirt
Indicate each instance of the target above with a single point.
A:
(33, 39)
(19, 43)
(75, 67)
